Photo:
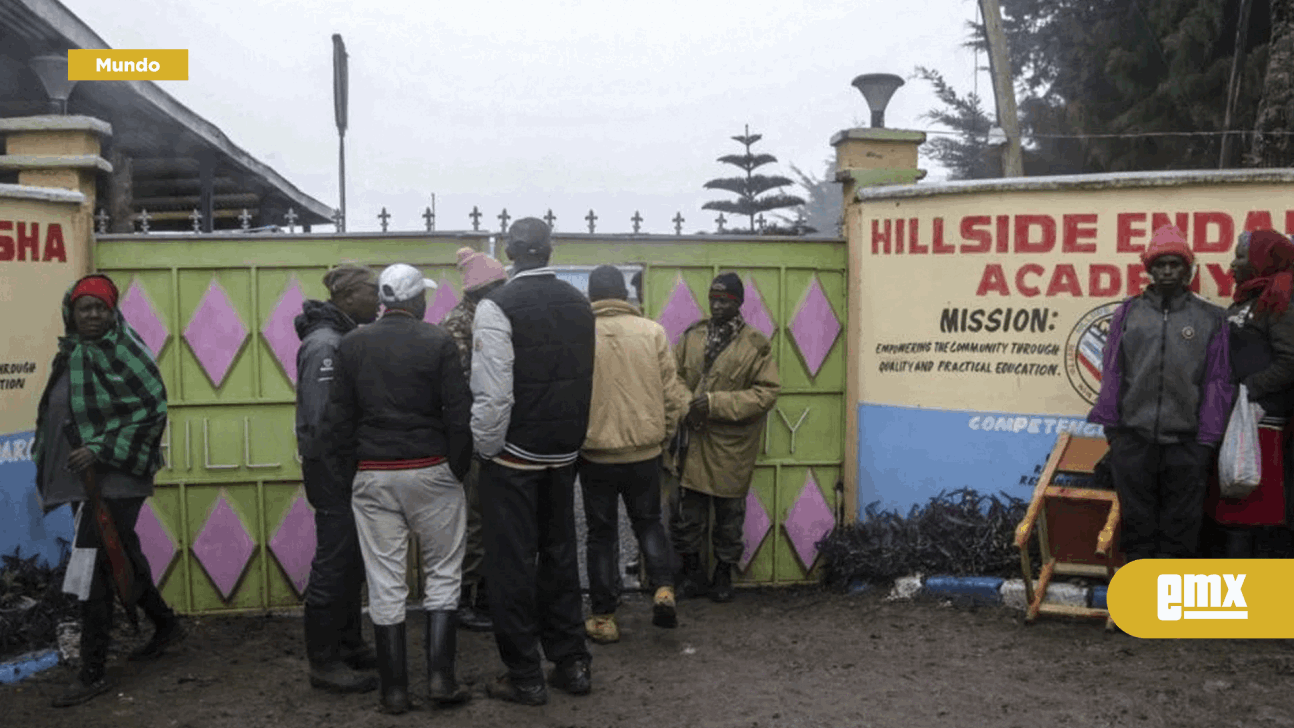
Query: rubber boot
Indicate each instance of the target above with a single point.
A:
(323, 649)
(441, 644)
(721, 589)
(96, 630)
(168, 628)
(354, 651)
(691, 581)
(392, 667)
(1238, 543)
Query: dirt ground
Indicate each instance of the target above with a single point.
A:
(771, 659)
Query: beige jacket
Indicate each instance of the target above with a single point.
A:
(638, 399)
(742, 387)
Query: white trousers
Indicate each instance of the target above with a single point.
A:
(391, 505)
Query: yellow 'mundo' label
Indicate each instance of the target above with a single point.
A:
(128, 65)
(1211, 598)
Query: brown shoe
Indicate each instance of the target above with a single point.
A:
(602, 628)
(663, 613)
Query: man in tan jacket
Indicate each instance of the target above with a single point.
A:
(730, 369)
(637, 403)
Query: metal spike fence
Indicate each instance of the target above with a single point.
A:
(289, 221)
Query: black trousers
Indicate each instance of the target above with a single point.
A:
(1161, 494)
(337, 571)
(603, 486)
(691, 520)
(97, 609)
(528, 517)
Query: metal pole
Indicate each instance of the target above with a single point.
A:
(1233, 88)
(341, 166)
(999, 61)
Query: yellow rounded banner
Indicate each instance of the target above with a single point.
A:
(118, 64)
(1204, 598)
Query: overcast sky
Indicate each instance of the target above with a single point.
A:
(564, 104)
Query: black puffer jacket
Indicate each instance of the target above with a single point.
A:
(1262, 357)
(399, 394)
(320, 326)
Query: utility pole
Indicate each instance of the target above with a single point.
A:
(1233, 88)
(999, 63)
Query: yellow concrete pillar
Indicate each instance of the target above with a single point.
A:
(865, 158)
(58, 151)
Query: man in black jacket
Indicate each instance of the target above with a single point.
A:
(334, 640)
(398, 420)
(532, 383)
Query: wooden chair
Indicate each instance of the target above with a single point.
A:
(1077, 528)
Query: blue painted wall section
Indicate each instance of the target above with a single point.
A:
(907, 455)
(22, 522)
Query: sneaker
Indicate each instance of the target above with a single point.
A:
(602, 628)
(663, 613)
(82, 692)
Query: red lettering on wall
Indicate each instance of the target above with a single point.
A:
(1182, 220)
(992, 280)
(1258, 220)
(6, 242)
(54, 248)
(1024, 243)
(1003, 233)
(1289, 221)
(1074, 234)
(1027, 269)
(878, 237)
(1137, 279)
(1064, 280)
(1103, 279)
(29, 241)
(1222, 277)
(937, 243)
(898, 236)
(1220, 242)
(971, 230)
(914, 244)
(1126, 232)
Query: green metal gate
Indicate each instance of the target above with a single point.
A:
(229, 528)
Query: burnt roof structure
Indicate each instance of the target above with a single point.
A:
(166, 159)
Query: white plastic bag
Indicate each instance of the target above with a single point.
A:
(79, 575)
(1240, 464)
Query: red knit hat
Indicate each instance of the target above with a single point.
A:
(98, 286)
(1167, 240)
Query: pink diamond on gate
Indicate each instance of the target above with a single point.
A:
(215, 333)
(809, 521)
(155, 541)
(223, 547)
(679, 312)
(755, 528)
(280, 330)
(815, 327)
(754, 312)
(294, 543)
(142, 316)
(442, 302)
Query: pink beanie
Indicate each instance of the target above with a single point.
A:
(478, 269)
(1167, 240)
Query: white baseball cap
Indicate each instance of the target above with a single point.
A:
(400, 282)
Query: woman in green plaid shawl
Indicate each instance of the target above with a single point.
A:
(104, 408)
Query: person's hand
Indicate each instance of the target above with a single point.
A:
(698, 411)
(80, 459)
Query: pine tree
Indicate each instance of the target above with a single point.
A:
(1276, 111)
(750, 188)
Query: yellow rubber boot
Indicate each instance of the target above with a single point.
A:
(602, 628)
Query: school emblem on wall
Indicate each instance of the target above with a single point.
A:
(1084, 348)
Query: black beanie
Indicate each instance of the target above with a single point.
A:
(606, 281)
(731, 283)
